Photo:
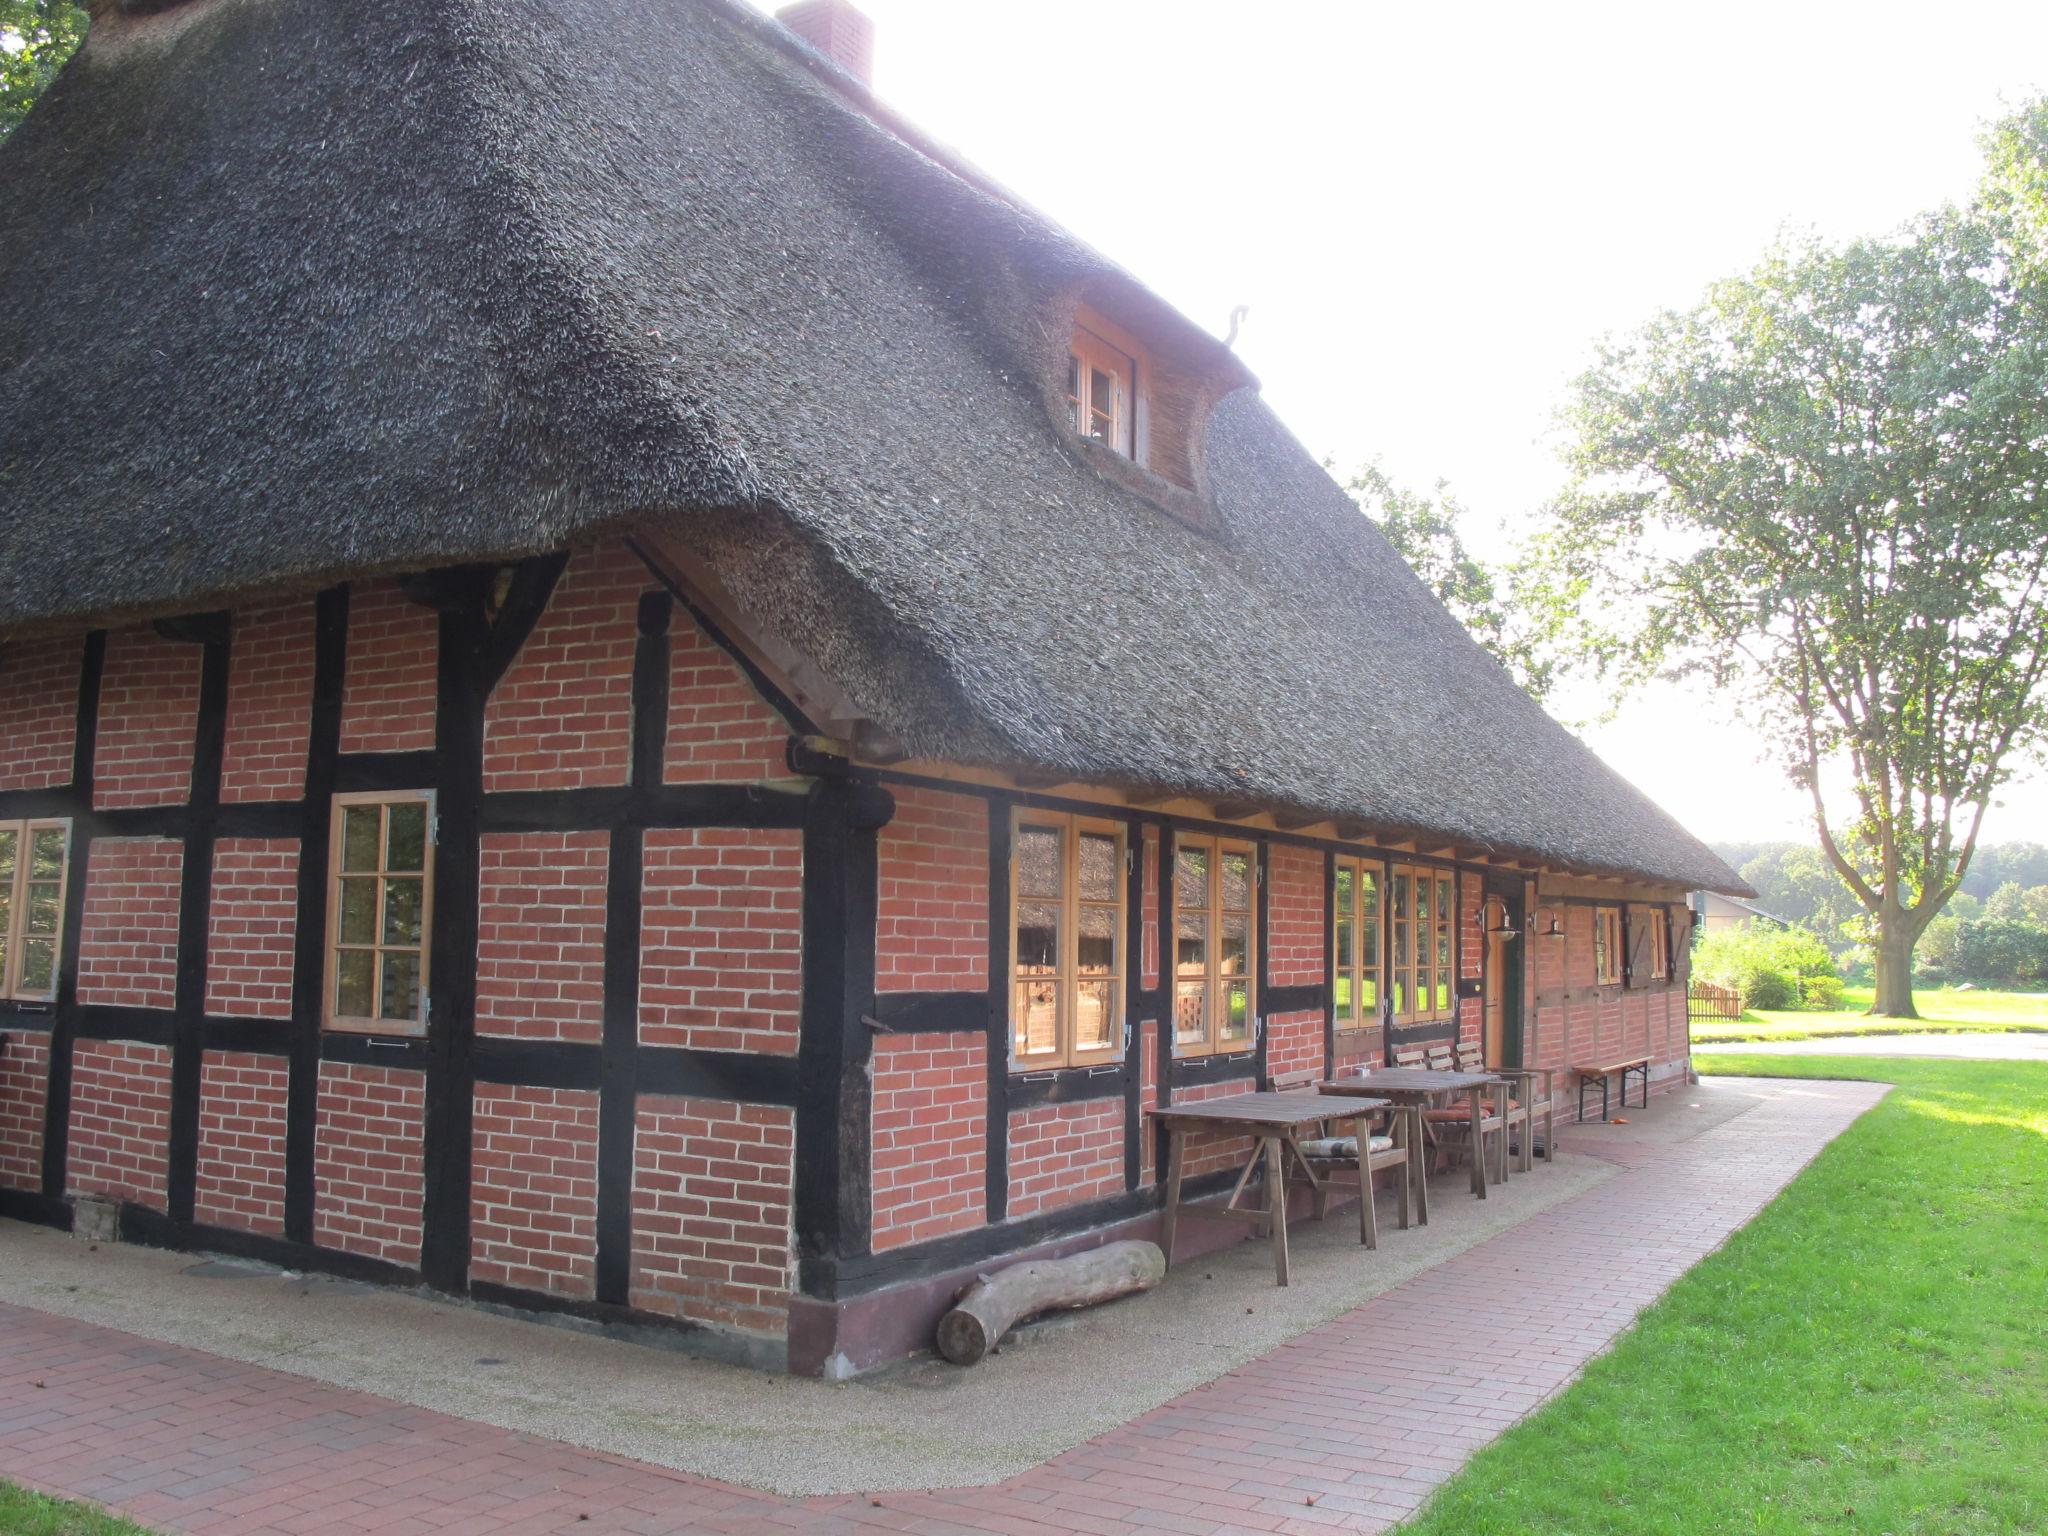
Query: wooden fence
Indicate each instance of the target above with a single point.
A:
(1706, 1001)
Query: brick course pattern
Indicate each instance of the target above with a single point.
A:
(1294, 944)
(128, 936)
(562, 717)
(24, 1086)
(533, 1189)
(1065, 1154)
(720, 730)
(149, 712)
(1294, 1041)
(711, 1212)
(369, 1173)
(241, 1141)
(931, 1145)
(540, 942)
(389, 685)
(270, 703)
(931, 930)
(251, 928)
(39, 712)
(120, 1120)
(722, 939)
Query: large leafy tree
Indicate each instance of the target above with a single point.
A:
(36, 37)
(1824, 486)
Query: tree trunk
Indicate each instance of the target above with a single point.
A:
(1896, 935)
(998, 1302)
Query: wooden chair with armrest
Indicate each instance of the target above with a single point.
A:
(1336, 1152)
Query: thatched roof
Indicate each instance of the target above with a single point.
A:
(292, 290)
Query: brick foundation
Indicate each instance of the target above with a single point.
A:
(240, 1181)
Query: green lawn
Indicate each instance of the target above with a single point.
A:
(1868, 1355)
(1942, 1010)
(30, 1514)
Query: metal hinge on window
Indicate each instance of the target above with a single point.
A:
(1130, 859)
(426, 1010)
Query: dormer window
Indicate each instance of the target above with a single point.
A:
(1102, 393)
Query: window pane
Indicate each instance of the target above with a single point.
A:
(1190, 1012)
(1443, 990)
(359, 911)
(360, 827)
(45, 910)
(1369, 894)
(1443, 948)
(355, 985)
(8, 839)
(402, 899)
(1424, 911)
(1099, 867)
(1402, 885)
(1235, 959)
(1098, 941)
(400, 998)
(1237, 1014)
(1343, 890)
(1400, 992)
(1094, 1015)
(1368, 996)
(1038, 862)
(1191, 947)
(1341, 993)
(1445, 906)
(1401, 961)
(1347, 936)
(1237, 882)
(1038, 1018)
(1191, 877)
(1369, 941)
(1038, 937)
(407, 845)
(46, 854)
(38, 965)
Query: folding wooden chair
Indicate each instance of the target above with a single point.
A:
(1333, 1152)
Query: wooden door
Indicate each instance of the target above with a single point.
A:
(1494, 1009)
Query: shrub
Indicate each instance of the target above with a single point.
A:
(1821, 994)
(1999, 953)
(1770, 967)
(1930, 976)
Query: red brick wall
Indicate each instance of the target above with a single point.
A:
(1294, 1041)
(719, 729)
(1064, 1154)
(1209, 1153)
(24, 1082)
(711, 1212)
(38, 711)
(270, 703)
(120, 1120)
(540, 947)
(533, 1189)
(562, 718)
(1294, 954)
(1471, 942)
(367, 1165)
(931, 1141)
(722, 939)
(241, 1141)
(251, 928)
(149, 712)
(388, 691)
(128, 938)
(931, 931)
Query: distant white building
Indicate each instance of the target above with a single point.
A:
(1713, 912)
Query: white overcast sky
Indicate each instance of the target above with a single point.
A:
(1434, 210)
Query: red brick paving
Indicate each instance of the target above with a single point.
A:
(1347, 1427)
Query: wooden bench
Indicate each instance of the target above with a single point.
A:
(1379, 1152)
(1604, 1071)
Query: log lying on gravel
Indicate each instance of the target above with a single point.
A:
(996, 1303)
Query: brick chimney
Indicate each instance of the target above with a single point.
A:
(836, 30)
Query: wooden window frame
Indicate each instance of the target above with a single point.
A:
(1354, 1015)
(1660, 944)
(1608, 960)
(330, 1015)
(1213, 978)
(25, 830)
(1420, 976)
(1087, 353)
(1070, 1053)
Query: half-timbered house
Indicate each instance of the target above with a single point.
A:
(627, 690)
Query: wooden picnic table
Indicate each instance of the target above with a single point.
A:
(1421, 1085)
(1275, 1122)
